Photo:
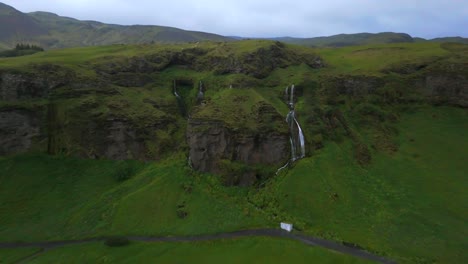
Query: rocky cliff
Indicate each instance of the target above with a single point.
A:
(19, 130)
(124, 106)
(212, 142)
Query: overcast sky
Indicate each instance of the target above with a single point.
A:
(271, 18)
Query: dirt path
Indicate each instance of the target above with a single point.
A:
(309, 240)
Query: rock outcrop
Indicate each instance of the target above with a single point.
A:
(258, 63)
(21, 85)
(447, 88)
(211, 142)
(18, 130)
(351, 85)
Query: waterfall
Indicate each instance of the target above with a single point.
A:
(291, 101)
(201, 93)
(175, 91)
(189, 162)
(301, 138)
(293, 124)
(180, 101)
(200, 89)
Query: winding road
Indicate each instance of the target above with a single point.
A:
(309, 240)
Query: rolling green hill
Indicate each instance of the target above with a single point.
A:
(343, 40)
(53, 31)
(94, 143)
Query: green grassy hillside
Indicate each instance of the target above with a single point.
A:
(52, 31)
(343, 40)
(52, 198)
(409, 204)
(358, 39)
(385, 128)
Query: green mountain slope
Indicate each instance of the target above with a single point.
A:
(52, 31)
(342, 40)
(19, 26)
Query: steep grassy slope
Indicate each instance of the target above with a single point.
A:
(409, 204)
(44, 198)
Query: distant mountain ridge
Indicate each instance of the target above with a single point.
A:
(343, 40)
(51, 31)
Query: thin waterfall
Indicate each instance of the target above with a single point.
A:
(293, 124)
(175, 90)
(301, 139)
(291, 101)
(180, 100)
(200, 89)
(201, 93)
(189, 162)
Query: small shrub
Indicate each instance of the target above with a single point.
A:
(362, 153)
(181, 213)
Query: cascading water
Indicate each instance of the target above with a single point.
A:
(301, 139)
(201, 93)
(293, 125)
(174, 90)
(180, 100)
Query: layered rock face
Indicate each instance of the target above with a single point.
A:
(211, 141)
(451, 89)
(352, 85)
(241, 142)
(18, 130)
(126, 107)
(20, 85)
(438, 87)
(115, 139)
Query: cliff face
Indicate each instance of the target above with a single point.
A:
(19, 129)
(448, 87)
(351, 85)
(126, 106)
(15, 85)
(237, 142)
(258, 63)
(211, 142)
